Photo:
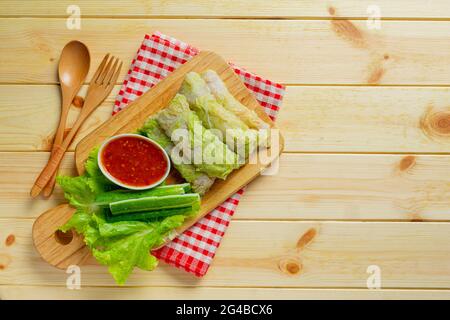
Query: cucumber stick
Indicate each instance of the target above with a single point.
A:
(150, 215)
(104, 199)
(154, 203)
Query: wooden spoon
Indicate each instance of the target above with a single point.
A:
(100, 87)
(72, 71)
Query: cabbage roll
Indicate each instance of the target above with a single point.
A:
(228, 127)
(198, 145)
(229, 102)
(199, 180)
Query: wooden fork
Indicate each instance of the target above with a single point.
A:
(101, 85)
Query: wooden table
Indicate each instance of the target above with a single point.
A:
(363, 185)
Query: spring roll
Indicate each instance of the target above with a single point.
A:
(228, 127)
(194, 143)
(221, 93)
(199, 180)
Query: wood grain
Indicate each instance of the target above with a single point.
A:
(57, 248)
(8, 292)
(28, 121)
(353, 187)
(299, 52)
(230, 8)
(308, 43)
(306, 187)
(314, 119)
(18, 171)
(366, 119)
(272, 254)
(413, 207)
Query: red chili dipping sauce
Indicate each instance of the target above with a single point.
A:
(134, 161)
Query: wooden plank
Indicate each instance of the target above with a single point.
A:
(272, 254)
(312, 119)
(306, 187)
(351, 187)
(18, 171)
(8, 292)
(231, 8)
(307, 52)
(29, 121)
(366, 119)
(54, 248)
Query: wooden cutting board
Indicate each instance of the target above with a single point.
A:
(63, 250)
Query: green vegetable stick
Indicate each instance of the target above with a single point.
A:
(150, 215)
(153, 203)
(104, 199)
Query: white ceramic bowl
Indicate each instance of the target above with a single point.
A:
(121, 184)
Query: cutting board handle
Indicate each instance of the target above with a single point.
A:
(57, 248)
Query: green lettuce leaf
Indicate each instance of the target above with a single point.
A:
(123, 245)
(97, 181)
(81, 191)
(79, 221)
(77, 190)
(126, 244)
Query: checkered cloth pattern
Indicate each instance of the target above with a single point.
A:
(157, 57)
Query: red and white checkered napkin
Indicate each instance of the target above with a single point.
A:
(158, 56)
